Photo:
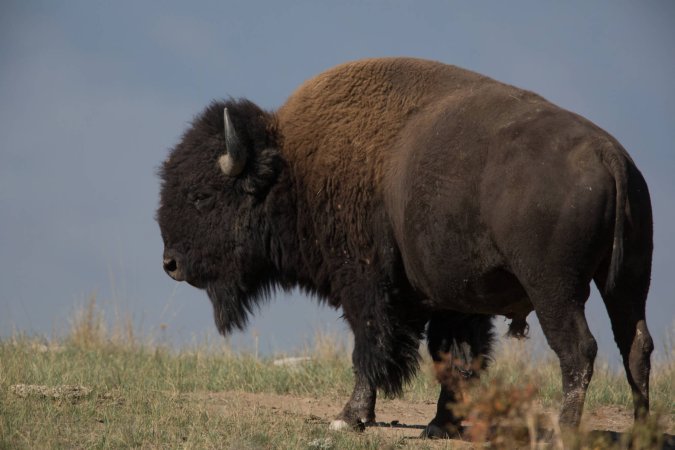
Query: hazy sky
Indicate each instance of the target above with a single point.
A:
(93, 94)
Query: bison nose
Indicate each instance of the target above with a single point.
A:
(171, 266)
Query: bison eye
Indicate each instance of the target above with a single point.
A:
(201, 200)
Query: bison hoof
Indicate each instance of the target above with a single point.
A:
(341, 425)
(433, 431)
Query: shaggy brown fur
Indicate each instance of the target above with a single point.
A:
(409, 192)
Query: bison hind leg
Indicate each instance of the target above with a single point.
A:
(626, 307)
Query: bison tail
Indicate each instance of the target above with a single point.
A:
(616, 165)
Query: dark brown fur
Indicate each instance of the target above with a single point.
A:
(408, 191)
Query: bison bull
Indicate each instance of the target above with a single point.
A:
(422, 199)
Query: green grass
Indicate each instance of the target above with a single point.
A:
(139, 398)
(145, 395)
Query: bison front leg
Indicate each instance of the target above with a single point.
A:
(360, 409)
(386, 341)
(460, 345)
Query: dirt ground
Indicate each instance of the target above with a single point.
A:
(396, 418)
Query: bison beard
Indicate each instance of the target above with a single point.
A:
(386, 347)
(231, 308)
(412, 193)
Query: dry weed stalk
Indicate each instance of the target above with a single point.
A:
(87, 328)
(505, 416)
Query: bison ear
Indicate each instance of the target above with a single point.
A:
(233, 161)
(265, 167)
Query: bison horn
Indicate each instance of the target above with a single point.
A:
(233, 161)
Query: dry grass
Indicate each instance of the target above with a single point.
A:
(100, 387)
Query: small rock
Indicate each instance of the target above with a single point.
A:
(321, 443)
(65, 391)
(291, 361)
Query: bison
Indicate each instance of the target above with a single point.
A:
(422, 199)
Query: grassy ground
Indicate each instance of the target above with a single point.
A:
(136, 395)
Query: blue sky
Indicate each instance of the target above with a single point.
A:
(93, 94)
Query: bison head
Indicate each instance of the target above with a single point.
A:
(215, 185)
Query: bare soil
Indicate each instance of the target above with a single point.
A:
(395, 418)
